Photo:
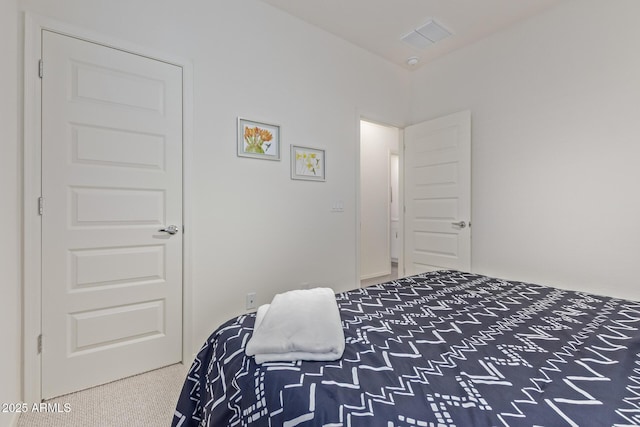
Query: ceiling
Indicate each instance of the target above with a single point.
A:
(378, 25)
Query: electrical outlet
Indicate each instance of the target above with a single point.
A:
(251, 300)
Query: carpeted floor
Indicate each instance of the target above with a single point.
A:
(147, 399)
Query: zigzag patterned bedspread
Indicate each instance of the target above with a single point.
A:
(438, 349)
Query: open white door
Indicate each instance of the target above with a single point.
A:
(437, 185)
(111, 179)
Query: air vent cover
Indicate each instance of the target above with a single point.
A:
(433, 31)
(416, 39)
(426, 35)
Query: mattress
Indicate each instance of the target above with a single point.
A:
(438, 349)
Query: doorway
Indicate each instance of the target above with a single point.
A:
(380, 236)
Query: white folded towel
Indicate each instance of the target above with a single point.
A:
(298, 325)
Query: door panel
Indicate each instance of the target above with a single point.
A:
(111, 179)
(437, 183)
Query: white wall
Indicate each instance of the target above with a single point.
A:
(377, 142)
(555, 144)
(10, 159)
(252, 227)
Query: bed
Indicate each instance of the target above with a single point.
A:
(438, 349)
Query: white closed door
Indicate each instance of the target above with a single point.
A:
(111, 179)
(437, 185)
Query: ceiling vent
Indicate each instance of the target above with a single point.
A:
(426, 35)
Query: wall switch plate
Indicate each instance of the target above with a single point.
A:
(337, 206)
(251, 300)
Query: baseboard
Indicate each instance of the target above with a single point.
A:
(378, 274)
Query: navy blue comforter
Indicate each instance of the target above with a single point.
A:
(437, 349)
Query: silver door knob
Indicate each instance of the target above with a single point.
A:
(172, 229)
(460, 224)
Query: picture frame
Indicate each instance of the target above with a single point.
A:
(308, 163)
(258, 140)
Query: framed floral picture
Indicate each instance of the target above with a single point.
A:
(307, 163)
(258, 140)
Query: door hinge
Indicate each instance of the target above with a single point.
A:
(40, 205)
(39, 343)
(40, 68)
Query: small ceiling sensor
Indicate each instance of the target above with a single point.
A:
(413, 61)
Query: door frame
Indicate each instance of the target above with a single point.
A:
(360, 116)
(32, 188)
(399, 198)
